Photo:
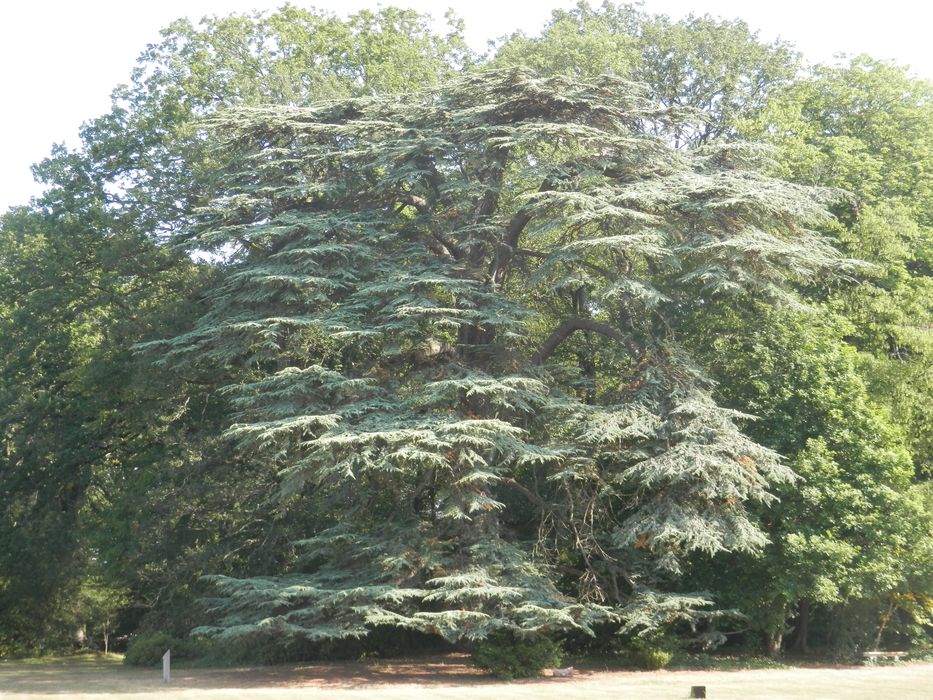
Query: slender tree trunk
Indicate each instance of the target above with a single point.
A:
(801, 644)
(884, 623)
(585, 351)
(773, 641)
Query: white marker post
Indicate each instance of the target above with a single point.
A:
(167, 666)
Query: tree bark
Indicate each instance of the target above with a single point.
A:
(569, 325)
(876, 642)
(505, 251)
(801, 644)
(773, 644)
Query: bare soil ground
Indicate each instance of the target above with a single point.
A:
(450, 677)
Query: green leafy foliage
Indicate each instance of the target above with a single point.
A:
(837, 533)
(861, 126)
(652, 659)
(865, 126)
(508, 657)
(719, 68)
(147, 649)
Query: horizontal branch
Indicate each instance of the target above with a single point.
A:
(570, 325)
(419, 203)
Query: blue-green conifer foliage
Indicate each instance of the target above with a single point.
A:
(448, 312)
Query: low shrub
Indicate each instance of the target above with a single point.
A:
(147, 648)
(653, 659)
(263, 649)
(652, 651)
(507, 656)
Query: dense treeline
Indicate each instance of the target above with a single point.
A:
(333, 330)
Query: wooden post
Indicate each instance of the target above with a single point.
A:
(167, 666)
(698, 691)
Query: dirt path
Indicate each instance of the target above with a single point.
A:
(452, 678)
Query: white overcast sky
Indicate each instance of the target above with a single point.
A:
(60, 60)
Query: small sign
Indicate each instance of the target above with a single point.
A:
(167, 666)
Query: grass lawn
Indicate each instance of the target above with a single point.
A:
(447, 677)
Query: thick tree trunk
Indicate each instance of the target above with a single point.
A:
(473, 342)
(801, 644)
